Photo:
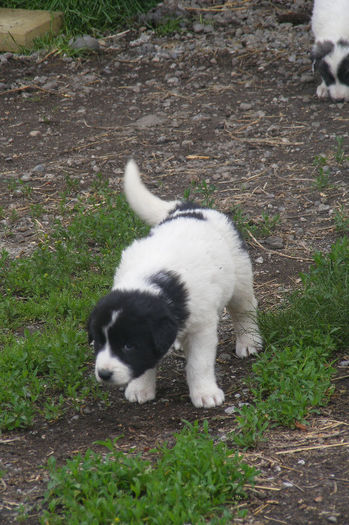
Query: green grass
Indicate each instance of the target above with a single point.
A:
(88, 16)
(168, 26)
(341, 220)
(46, 367)
(261, 227)
(292, 378)
(44, 306)
(194, 481)
(201, 191)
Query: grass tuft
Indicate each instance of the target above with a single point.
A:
(293, 376)
(188, 483)
(88, 16)
(45, 302)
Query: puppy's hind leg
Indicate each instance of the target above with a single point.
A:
(200, 348)
(142, 388)
(243, 310)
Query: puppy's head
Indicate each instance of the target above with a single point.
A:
(131, 331)
(332, 62)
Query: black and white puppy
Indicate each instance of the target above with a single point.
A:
(330, 55)
(171, 286)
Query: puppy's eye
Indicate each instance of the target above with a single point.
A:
(128, 348)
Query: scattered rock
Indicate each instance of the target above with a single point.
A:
(149, 121)
(198, 28)
(274, 242)
(245, 106)
(35, 133)
(84, 42)
(52, 84)
(39, 168)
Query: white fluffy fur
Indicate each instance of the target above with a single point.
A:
(216, 272)
(330, 22)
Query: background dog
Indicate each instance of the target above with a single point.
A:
(330, 55)
(171, 286)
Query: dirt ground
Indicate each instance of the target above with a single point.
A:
(187, 108)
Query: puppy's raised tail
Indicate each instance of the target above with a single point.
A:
(147, 206)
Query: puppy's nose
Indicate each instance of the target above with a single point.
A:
(105, 375)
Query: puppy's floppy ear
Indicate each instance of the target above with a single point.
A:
(320, 50)
(164, 333)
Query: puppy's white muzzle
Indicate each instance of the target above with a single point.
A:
(109, 369)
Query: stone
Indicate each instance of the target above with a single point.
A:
(149, 121)
(84, 42)
(19, 27)
(198, 28)
(51, 84)
(245, 106)
(274, 242)
(39, 168)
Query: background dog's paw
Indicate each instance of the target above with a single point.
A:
(247, 345)
(139, 393)
(207, 398)
(322, 91)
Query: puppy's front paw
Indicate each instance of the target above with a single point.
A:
(139, 393)
(247, 345)
(322, 91)
(207, 398)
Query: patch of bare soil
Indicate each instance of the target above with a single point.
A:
(231, 102)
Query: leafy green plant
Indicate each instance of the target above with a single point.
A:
(44, 304)
(341, 220)
(292, 377)
(259, 228)
(340, 154)
(323, 177)
(201, 191)
(168, 26)
(188, 483)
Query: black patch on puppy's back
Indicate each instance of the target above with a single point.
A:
(185, 210)
(187, 206)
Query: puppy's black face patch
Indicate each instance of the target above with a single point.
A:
(137, 327)
(320, 50)
(325, 73)
(343, 71)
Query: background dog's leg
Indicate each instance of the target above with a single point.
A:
(201, 354)
(322, 91)
(142, 388)
(243, 310)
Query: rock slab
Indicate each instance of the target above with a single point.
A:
(19, 27)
